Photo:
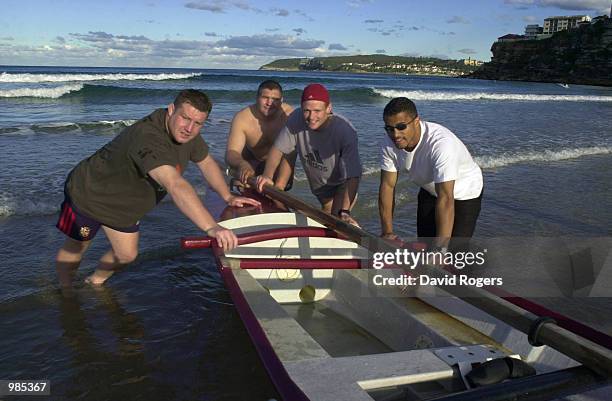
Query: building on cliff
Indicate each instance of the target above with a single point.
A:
(532, 31)
(511, 37)
(557, 24)
(580, 56)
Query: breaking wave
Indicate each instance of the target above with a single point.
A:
(45, 93)
(11, 205)
(103, 126)
(36, 78)
(490, 162)
(453, 96)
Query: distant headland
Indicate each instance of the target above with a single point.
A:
(582, 55)
(377, 63)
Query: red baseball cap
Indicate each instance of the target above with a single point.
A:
(315, 92)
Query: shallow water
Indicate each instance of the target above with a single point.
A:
(165, 328)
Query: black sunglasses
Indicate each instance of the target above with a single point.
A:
(399, 126)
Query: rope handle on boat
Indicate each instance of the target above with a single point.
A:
(536, 326)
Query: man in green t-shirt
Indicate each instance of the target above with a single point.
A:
(116, 186)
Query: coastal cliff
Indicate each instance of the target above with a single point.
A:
(578, 56)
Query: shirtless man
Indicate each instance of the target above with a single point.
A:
(253, 132)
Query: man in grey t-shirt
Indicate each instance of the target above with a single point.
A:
(327, 146)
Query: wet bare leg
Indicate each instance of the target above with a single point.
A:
(124, 249)
(68, 260)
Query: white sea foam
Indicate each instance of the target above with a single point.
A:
(47, 93)
(113, 122)
(489, 162)
(370, 170)
(35, 78)
(451, 96)
(401, 197)
(102, 124)
(14, 206)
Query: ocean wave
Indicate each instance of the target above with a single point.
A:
(451, 96)
(36, 78)
(45, 93)
(490, 162)
(93, 91)
(11, 205)
(103, 126)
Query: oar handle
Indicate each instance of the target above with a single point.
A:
(197, 242)
(258, 236)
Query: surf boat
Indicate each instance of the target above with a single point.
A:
(302, 284)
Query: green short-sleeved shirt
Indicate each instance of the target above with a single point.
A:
(113, 186)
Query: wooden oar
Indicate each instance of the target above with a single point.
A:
(596, 357)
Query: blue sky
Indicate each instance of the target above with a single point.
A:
(249, 33)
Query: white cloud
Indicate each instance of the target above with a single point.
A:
(280, 12)
(303, 14)
(457, 20)
(598, 6)
(358, 3)
(220, 6)
(577, 5)
(270, 44)
(102, 48)
(215, 7)
(336, 46)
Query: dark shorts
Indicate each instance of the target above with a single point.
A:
(466, 215)
(328, 192)
(81, 227)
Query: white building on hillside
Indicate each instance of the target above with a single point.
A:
(556, 24)
(532, 31)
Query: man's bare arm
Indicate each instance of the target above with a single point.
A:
(235, 145)
(285, 171)
(273, 160)
(346, 199)
(386, 201)
(445, 212)
(184, 196)
(215, 178)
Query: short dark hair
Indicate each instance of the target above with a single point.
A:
(398, 105)
(196, 98)
(269, 84)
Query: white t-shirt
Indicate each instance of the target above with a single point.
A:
(438, 157)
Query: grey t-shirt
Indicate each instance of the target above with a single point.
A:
(330, 155)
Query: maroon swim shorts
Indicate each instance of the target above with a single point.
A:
(81, 227)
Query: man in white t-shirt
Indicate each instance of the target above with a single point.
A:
(438, 162)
